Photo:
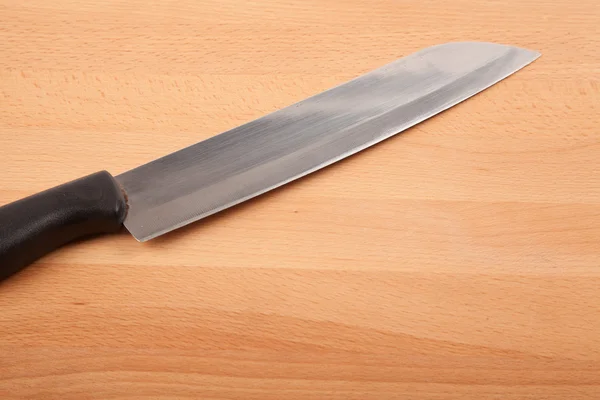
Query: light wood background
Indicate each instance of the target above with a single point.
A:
(460, 260)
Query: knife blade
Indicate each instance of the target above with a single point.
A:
(256, 157)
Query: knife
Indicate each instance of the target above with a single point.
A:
(251, 159)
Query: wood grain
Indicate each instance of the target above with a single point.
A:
(460, 260)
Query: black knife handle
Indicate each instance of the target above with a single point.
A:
(35, 226)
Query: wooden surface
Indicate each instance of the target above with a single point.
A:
(460, 260)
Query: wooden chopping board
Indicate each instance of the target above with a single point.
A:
(459, 260)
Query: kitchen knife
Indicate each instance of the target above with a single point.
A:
(255, 157)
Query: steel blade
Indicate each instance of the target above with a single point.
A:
(275, 149)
